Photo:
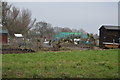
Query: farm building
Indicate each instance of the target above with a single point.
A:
(3, 37)
(109, 36)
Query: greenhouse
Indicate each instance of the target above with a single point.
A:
(69, 34)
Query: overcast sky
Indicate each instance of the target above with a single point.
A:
(86, 15)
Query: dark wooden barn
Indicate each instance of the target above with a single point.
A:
(3, 37)
(109, 35)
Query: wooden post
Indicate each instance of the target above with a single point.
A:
(113, 43)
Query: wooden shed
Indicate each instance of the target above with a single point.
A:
(3, 37)
(109, 36)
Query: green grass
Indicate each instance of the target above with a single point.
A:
(72, 64)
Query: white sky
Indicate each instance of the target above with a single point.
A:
(61, 0)
(86, 15)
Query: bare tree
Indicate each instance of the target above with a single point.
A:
(5, 11)
(57, 29)
(15, 20)
(12, 22)
(74, 30)
(66, 29)
(81, 30)
(44, 29)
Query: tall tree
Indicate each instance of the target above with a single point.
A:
(66, 29)
(5, 11)
(57, 29)
(15, 20)
(44, 29)
(81, 30)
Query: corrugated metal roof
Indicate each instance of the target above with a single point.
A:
(3, 31)
(111, 27)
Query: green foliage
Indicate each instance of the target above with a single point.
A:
(68, 64)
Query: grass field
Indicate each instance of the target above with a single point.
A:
(71, 64)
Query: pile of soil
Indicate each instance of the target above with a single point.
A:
(55, 49)
(75, 45)
(10, 51)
